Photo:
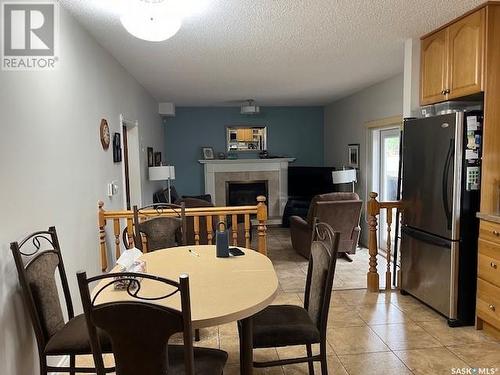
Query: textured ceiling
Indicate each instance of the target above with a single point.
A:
(279, 52)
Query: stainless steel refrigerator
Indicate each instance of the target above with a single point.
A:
(440, 191)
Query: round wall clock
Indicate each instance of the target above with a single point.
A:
(105, 137)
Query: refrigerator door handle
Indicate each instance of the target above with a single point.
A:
(446, 175)
(421, 236)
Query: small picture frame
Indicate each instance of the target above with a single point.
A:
(117, 148)
(151, 160)
(157, 159)
(353, 155)
(207, 153)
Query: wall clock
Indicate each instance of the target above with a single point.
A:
(105, 137)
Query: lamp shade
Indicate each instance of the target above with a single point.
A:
(164, 172)
(345, 176)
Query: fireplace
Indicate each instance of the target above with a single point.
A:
(245, 193)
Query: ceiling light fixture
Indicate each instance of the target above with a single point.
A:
(158, 20)
(151, 20)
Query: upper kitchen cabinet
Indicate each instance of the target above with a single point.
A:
(434, 65)
(466, 48)
(452, 61)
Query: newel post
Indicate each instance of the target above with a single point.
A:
(101, 221)
(262, 228)
(373, 210)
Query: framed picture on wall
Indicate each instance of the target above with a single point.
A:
(151, 160)
(157, 159)
(353, 155)
(207, 153)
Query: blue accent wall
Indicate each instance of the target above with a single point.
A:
(291, 131)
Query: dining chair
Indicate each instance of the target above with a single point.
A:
(140, 329)
(37, 257)
(287, 325)
(160, 230)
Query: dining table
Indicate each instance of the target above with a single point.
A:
(222, 290)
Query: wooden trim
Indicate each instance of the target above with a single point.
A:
(488, 3)
(385, 122)
(220, 213)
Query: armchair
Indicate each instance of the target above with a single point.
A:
(341, 210)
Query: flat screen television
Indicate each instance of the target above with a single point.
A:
(306, 182)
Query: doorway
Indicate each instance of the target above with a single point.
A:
(385, 154)
(131, 164)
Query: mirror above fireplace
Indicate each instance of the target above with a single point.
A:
(246, 138)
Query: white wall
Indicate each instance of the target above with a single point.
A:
(345, 123)
(53, 169)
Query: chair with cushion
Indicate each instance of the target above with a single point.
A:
(37, 257)
(160, 230)
(140, 328)
(287, 325)
(341, 210)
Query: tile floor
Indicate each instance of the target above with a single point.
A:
(369, 333)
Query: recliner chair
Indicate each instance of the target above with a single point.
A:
(341, 210)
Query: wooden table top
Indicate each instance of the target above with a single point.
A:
(222, 290)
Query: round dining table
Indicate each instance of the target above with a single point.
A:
(222, 290)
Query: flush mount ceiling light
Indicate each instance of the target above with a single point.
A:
(158, 20)
(151, 20)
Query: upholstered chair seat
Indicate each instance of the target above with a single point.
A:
(283, 325)
(74, 338)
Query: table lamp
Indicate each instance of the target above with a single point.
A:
(161, 173)
(345, 176)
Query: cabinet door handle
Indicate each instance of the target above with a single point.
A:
(492, 307)
(493, 265)
(496, 233)
(443, 92)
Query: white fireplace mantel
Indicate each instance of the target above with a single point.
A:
(277, 199)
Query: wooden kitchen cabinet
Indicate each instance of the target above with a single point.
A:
(434, 65)
(466, 55)
(452, 60)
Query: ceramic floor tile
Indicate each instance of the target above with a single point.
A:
(359, 297)
(381, 313)
(354, 340)
(333, 364)
(418, 312)
(454, 336)
(405, 336)
(386, 363)
(344, 316)
(482, 355)
(231, 345)
(435, 361)
(298, 351)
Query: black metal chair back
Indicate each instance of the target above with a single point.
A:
(138, 328)
(320, 274)
(160, 230)
(37, 257)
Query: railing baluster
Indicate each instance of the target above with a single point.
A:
(210, 233)
(101, 220)
(234, 220)
(247, 231)
(388, 277)
(130, 232)
(196, 227)
(116, 231)
(262, 229)
(373, 207)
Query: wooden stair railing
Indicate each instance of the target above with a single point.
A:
(117, 217)
(374, 208)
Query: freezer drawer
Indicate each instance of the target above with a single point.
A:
(426, 270)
